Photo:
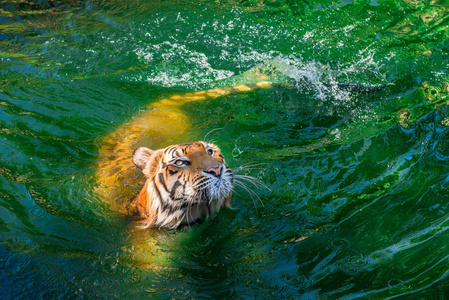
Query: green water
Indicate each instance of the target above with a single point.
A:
(356, 204)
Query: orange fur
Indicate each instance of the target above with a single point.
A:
(170, 197)
(141, 206)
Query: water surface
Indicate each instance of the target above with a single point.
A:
(356, 198)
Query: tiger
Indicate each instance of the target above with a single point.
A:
(175, 185)
(185, 183)
(140, 184)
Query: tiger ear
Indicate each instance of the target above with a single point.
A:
(141, 157)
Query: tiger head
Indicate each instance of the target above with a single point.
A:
(185, 183)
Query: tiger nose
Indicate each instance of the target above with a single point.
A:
(216, 171)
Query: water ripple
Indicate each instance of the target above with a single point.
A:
(353, 264)
(339, 244)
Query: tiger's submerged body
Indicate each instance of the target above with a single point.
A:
(166, 199)
(182, 183)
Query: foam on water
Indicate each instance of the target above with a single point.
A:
(201, 58)
(195, 65)
(312, 75)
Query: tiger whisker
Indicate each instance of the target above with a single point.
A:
(201, 183)
(250, 192)
(189, 210)
(215, 129)
(254, 181)
(251, 196)
(242, 184)
(249, 166)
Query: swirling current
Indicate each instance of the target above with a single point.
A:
(349, 147)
